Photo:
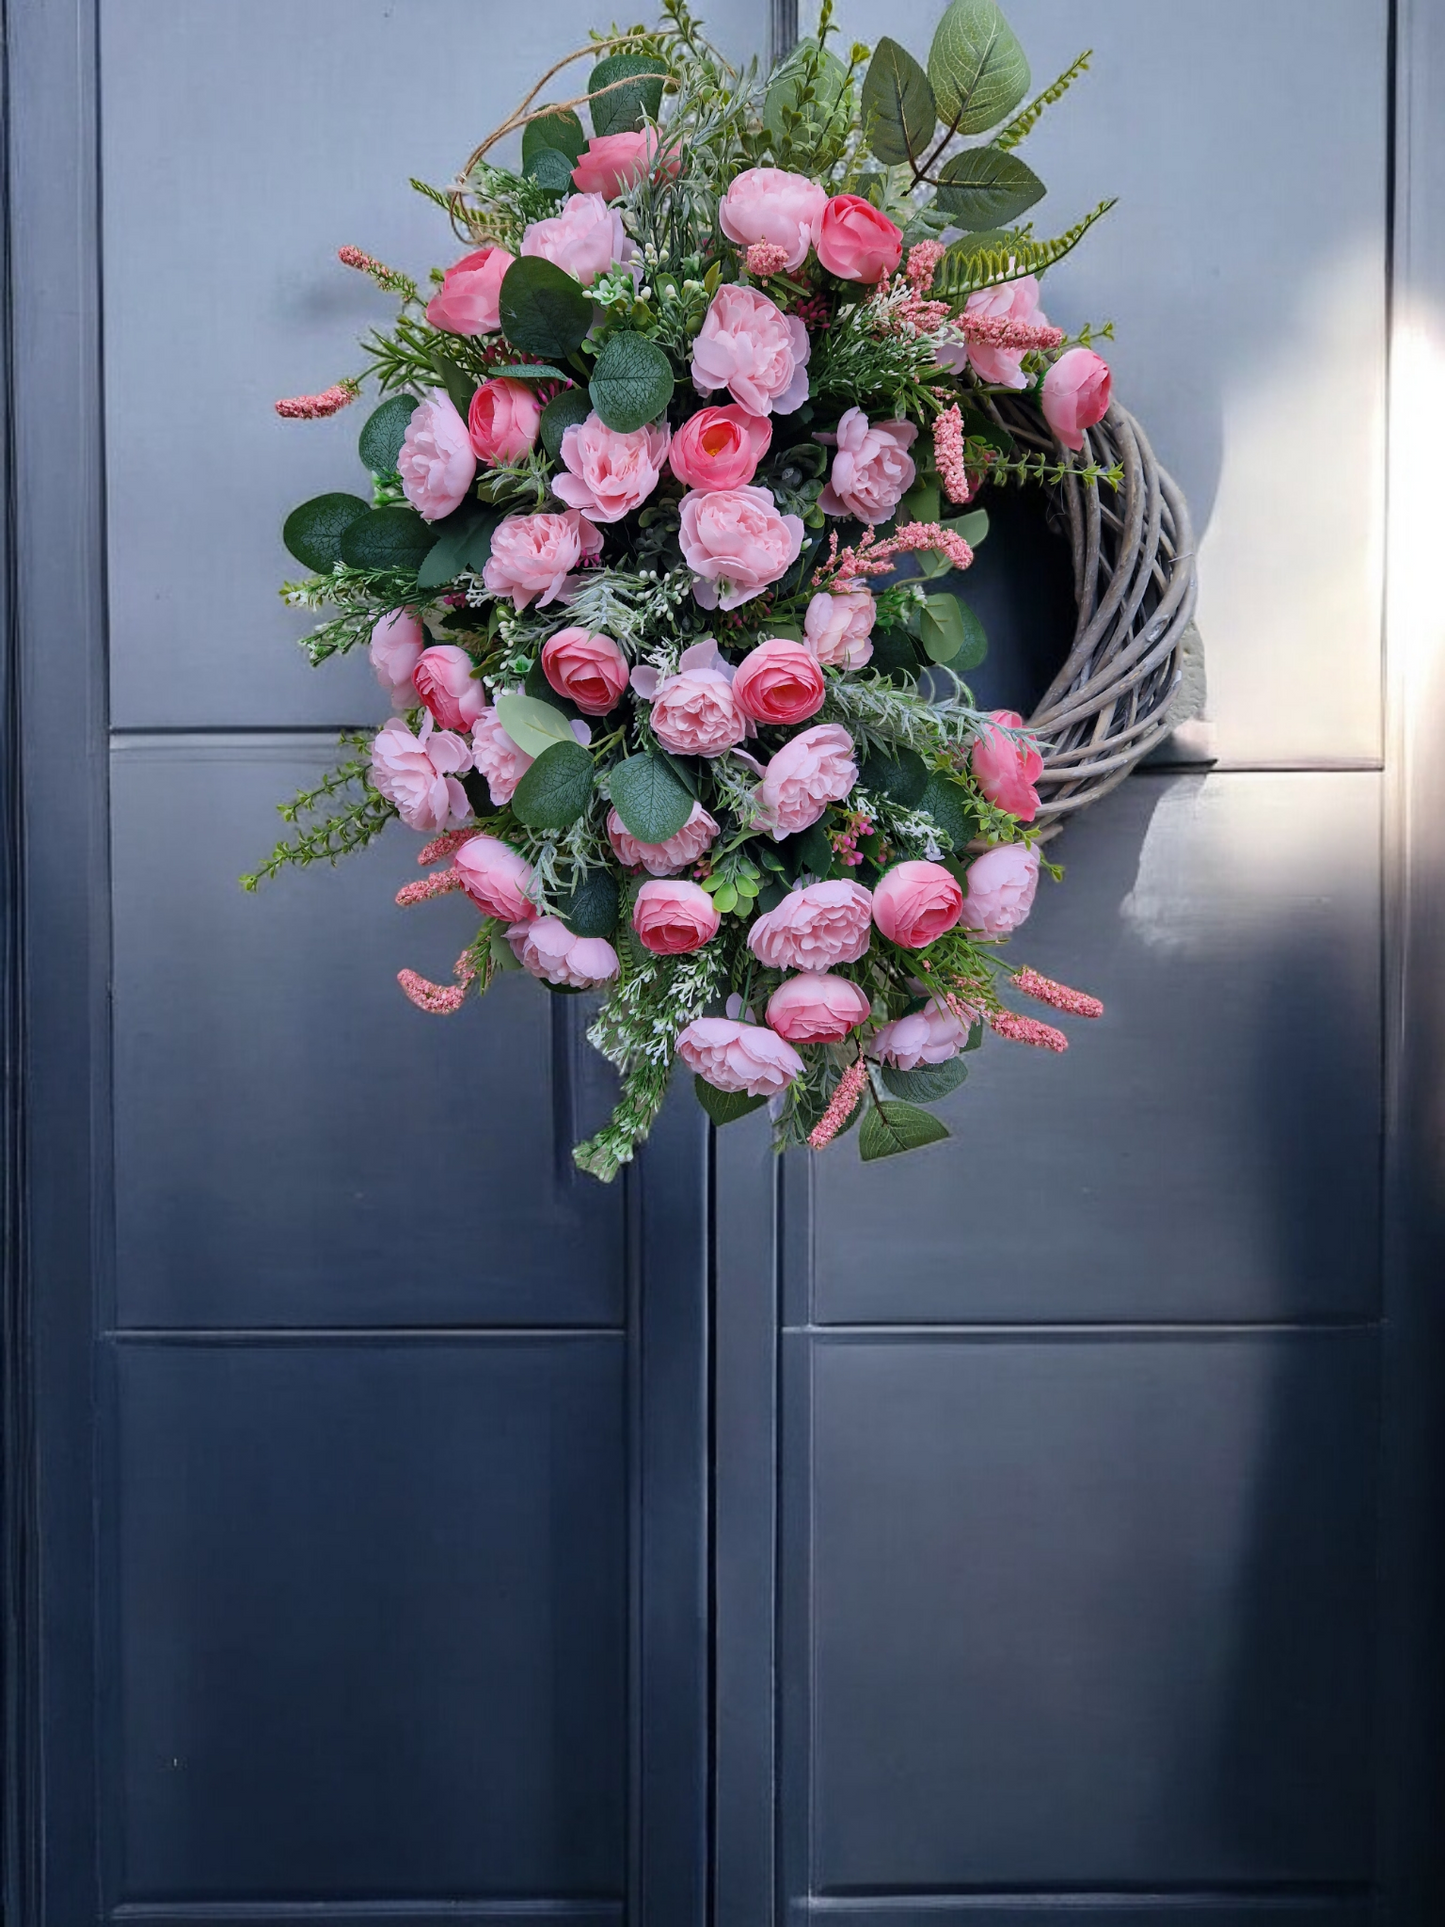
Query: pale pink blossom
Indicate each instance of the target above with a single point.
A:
(609, 473)
(733, 1056)
(808, 773)
(549, 950)
(684, 847)
(928, 1036)
(497, 757)
(719, 447)
(533, 555)
(1076, 395)
(445, 683)
(437, 461)
(837, 627)
(672, 917)
(750, 347)
(814, 928)
(466, 301)
(611, 162)
(872, 470)
(768, 204)
(694, 712)
(915, 903)
(584, 240)
(1007, 767)
(419, 774)
(396, 643)
(497, 878)
(736, 544)
(1001, 886)
(817, 1008)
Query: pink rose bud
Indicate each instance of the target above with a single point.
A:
(1001, 886)
(466, 301)
(736, 544)
(584, 240)
(609, 474)
(814, 928)
(914, 903)
(533, 555)
(496, 877)
(699, 833)
(419, 774)
(807, 774)
(503, 419)
(872, 470)
(671, 916)
(437, 461)
(445, 683)
(720, 447)
(498, 758)
(1007, 767)
(549, 950)
(816, 1008)
(611, 162)
(928, 1036)
(779, 682)
(856, 242)
(750, 347)
(396, 643)
(733, 1056)
(768, 204)
(837, 627)
(588, 670)
(1076, 395)
(1001, 367)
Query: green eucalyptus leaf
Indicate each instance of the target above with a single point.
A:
(560, 131)
(984, 187)
(556, 789)
(902, 777)
(528, 371)
(465, 547)
(564, 411)
(548, 168)
(949, 805)
(894, 656)
(632, 382)
(591, 910)
(532, 726)
(651, 801)
(313, 532)
(977, 68)
(928, 1082)
(537, 686)
(723, 1107)
(622, 110)
(393, 537)
(973, 527)
(922, 503)
(544, 310)
(893, 1127)
(897, 104)
(384, 433)
(950, 632)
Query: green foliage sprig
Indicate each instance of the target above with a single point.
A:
(360, 818)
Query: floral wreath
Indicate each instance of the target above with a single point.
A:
(648, 459)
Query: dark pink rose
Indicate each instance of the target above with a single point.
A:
(445, 683)
(496, 877)
(671, 916)
(779, 682)
(856, 242)
(914, 903)
(816, 1008)
(502, 420)
(733, 1056)
(768, 204)
(1001, 886)
(1076, 395)
(872, 470)
(1007, 767)
(720, 447)
(588, 670)
(814, 928)
(466, 301)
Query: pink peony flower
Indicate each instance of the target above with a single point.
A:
(814, 928)
(699, 833)
(1076, 395)
(396, 643)
(445, 683)
(533, 555)
(419, 774)
(502, 420)
(588, 670)
(914, 903)
(671, 916)
(837, 627)
(1007, 768)
(816, 1008)
(736, 543)
(856, 242)
(807, 774)
(496, 877)
(584, 240)
(1003, 367)
(779, 682)
(750, 347)
(733, 1056)
(768, 204)
(437, 460)
(547, 948)
(610, 474)
(695, 713)
(614, 161)
(720, 447)
(498, 758)
(872, 470)
(466, 301)
(928, 1036)
(1001, 886)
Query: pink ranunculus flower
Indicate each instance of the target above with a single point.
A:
(466, 301)
(609, 474)
(445, 683)
(695, 713)
(750, 347)
(857, 242)
(503, 419)
(872, 470)
(1002, 367)
(807, 774)
(588, 670)
(816, 1008)
(836, 628)
(928, 1036)
(437, 461)
(584, 240)
(720, 447)
(671, 916)
(496, 877)
(611, 162)
(769, 204)
(814, 928)
(533, 555)
(733, 1056)
(419, 774)
(498, 758)
(914, 903)
(736, 543)
(699, 833)
(396, 643)
(1007, 768)
(779, 682)
(549, 950)
(1076, 395)
(1001, 886)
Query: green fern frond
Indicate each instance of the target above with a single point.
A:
(442, 199)
(1008, 256)
(1028, 117)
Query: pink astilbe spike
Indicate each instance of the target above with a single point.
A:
(440, 1000)
(439, 884)
(1077, 1003)
(840, 1106)
(1000, 331)
(445, 845)
(872, 557)
(391, 279)
(766, 257)
(1027, 1030)
(311, 408)
(958, 484)
(923, 260)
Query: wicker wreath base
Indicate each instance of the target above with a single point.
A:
(1135, 668)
